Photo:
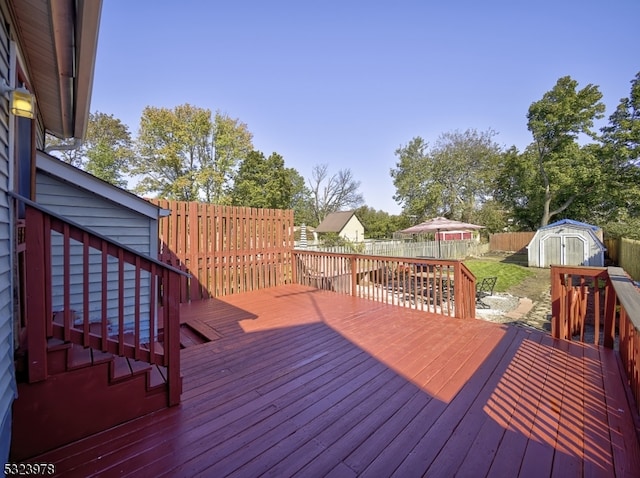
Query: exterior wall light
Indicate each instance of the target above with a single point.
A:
(22, 102)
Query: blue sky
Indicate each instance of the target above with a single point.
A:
(346, 83)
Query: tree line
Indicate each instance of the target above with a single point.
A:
(569, 170)
(189, 154)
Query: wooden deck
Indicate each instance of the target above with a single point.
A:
(302, 382)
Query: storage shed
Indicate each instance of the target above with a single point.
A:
(567, 242)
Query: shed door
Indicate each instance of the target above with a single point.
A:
(574, 248)
(562, 250)
(552, 251)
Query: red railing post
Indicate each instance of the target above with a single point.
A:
(36, 308)
(556, 286)
(459, 290)
(294, 267)
(172, 335)
(609, 314)
(354, 274)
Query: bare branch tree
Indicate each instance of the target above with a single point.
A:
(333, 193)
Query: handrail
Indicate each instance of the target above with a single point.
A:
(124, 247)
(608, 299)
(444, 287)
(98, 271)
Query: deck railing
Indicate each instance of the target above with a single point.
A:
(96, 287)
(443, 287)
(589, 301)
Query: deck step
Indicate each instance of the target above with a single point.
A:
(156, 377)
(78, 357)
(189, 336)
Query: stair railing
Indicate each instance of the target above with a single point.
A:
(129, 303)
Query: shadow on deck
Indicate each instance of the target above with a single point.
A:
(307, 382)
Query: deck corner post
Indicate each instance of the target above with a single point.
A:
(36, 305)
(172, 336)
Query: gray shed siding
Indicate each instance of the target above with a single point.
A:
(7, 374)
(122, 225)
(565, 245)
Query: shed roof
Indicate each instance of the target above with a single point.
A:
(571, 222)
(82, 179)
(335, 221)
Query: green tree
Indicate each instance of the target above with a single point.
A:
(378, 224)
(300, 198)
(232, 143)
(106, 152)
(621, 152)
(519, 190)
(184, 155)
(262, 182)
(450, 179)
(565, 171)
(108, 148)
(332, 193)
(172, 146)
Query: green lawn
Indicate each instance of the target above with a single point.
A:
(508, 274)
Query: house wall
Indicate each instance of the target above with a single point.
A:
(7, 376)
(565, 245)
(121, 224)
(353, 230)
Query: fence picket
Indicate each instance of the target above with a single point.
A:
(227, 250)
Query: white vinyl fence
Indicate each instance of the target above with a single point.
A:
(427, 249)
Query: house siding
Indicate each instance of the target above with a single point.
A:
(120, 224)
(353, 230)
(7, 373)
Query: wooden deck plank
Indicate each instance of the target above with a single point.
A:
(311, 383)
(597, 439)
(568, 458)
(618, 412)
(462, 441)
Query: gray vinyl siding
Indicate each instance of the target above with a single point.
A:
(7, 373)
(120, 224)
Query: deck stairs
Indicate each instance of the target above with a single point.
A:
(79, 374)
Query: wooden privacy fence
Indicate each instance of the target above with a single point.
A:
(226, 250)
(510, 241)
(629, 257)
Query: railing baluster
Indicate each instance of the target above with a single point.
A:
(120, 302)
(136, 311)
(155, 283)
(66, 267)
(85, 289)
(104, 296)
